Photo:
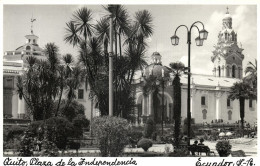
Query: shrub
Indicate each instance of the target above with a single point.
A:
(79, 122)
(58, 130)
(13, 132)
(49, 149)
(72, 110)
(149, 128)
(134, 137)
(12, 136)
(27, 144)
(12, 144)
(224, 148)
(111, 133)
(145, 144)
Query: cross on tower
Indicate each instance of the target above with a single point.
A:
(32, 20)
(227, 10)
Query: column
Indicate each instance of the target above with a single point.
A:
(150, 104)
(193, 92)
(218, 105)
(225, 72)
(217, 108)
(143, 104)
(21, 111)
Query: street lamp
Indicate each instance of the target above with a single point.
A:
(203, 34)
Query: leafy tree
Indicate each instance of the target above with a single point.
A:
(177, 69)
(80, 27)
(241, 91)
(93, 54)
(44, 82)
(39, 86)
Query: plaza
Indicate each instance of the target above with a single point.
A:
(211, 108)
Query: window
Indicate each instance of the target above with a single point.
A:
(34, 41)
(80, 94)
(204, 114)
(229, 115)
(250, 103)
(203, 100)
(233, 71)
(28, 48)
(8, 83)
(219, 71)
(228, 103)
(227, 71)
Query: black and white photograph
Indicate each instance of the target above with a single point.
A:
(129, 80)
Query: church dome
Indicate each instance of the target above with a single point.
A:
(227, 16)
(156, 69)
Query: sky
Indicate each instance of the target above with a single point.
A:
(51, 20)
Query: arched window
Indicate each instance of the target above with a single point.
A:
(227, 71)
(219, 71)
(233, 37)
(28, 48)
(34, 41)
(204, 114)
(233, 71)
(238, 70)
(229, 115)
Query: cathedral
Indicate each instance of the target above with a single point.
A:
(209, 93)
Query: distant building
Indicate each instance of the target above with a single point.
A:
(209, 93)
(14, 64)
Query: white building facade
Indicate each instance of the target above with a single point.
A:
(209, 93)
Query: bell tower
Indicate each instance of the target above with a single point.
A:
(227, 55)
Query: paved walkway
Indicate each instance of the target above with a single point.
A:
(249, 146)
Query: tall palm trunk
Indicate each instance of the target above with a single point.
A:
(58, 107)
(177, 108)
(120, 46)
(242, 112)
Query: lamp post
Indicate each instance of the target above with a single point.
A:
(111, 88)
(203, 34)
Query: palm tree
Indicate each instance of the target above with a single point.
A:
(241, 91)
(39, 85)
(64, 72)
(251, 76)
(141, 29)
(177, 69)
(121, 23)
(151, 86)
(102, 32)
(82, 19)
